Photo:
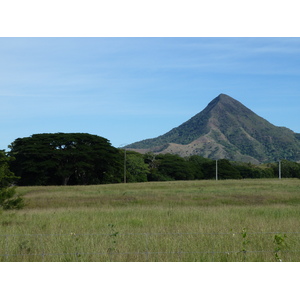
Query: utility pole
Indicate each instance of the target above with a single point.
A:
(124, 165)
(124, 162)
(216, 169)
(279, 170)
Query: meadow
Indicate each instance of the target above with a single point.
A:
(197, 221)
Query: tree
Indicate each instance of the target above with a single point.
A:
(227, 171)
(197, 164)
(8, 197)
(209, 168)
(136, 168)
(174, 167)
(65, 158)
(153, 161)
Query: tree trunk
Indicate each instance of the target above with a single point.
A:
(66, 180)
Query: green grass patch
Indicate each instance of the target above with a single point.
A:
(155, 221)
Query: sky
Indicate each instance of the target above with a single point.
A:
(130, 89)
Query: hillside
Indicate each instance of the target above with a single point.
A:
(226, 129)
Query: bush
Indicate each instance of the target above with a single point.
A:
(8, 197)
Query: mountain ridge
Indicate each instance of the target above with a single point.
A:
(226, 129)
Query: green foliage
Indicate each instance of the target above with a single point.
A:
(289, 169)
(245, 240)
(79, 159)
(168, 166)
(248, 170)
(225, 170)
(113, 239)
(136, 168)
(280, 243)
(65, 158)
(171, 167)
(197, 162)
(8, 197)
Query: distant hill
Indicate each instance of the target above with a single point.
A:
(226, 129)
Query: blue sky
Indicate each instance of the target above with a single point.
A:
(129, 89)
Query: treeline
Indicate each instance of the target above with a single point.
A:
(80, 158)
(163, 167)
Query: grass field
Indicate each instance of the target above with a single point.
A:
(232, 220)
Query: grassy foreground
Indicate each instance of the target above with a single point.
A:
(232, 220)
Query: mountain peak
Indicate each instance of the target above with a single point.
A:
(223, 103)
(226, 129)
(223, 98)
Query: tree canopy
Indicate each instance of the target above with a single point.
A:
(65, 158)
(136, 168)
(81, 158)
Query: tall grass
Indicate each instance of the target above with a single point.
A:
(155, 221)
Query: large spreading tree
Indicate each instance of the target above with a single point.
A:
(65, 158)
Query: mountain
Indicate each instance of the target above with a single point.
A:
(226, 129)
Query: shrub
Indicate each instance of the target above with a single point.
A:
(8, 197)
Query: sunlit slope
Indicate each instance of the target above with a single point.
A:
(227, 129)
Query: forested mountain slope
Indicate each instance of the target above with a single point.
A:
(226, 129)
